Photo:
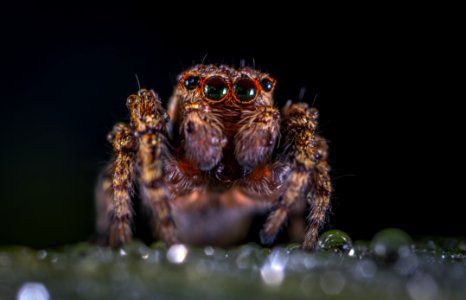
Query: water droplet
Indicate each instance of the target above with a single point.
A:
(159, 245)
(462, 246)
(33, 291)
(422, 287)
(299, 261)
(361, 249)
(293, 247)
(244, 258)
(431, 245)
(406, 265)
(103, 254)
(154, 256)
(365, 269)
(177, 253)
(336, 241)
(272, 274)
(143, 252)
(55, 258)
(332, 283)
(309, 262)
(273, 271)
(209, 251)
(390, 244)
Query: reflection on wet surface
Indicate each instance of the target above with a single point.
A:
(390, 266)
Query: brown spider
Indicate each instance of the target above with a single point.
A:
(214, 161)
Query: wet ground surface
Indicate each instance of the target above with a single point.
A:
(390, 266)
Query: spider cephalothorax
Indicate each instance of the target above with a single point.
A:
(221, 155)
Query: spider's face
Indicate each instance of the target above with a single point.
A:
(222, 85)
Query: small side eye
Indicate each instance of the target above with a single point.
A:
(245, 89)
(191, 82)
(215, 88)
(267, 84)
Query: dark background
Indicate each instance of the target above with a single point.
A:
(378, 80)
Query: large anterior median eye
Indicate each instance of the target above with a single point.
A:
(245, 89)
(215, 88)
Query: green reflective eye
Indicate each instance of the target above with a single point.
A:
(215, 88)
(245, 89)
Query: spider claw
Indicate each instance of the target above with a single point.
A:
(267, 238)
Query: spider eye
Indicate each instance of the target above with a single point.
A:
(245, 89)
(215, 88)
(191, 82)
(267, 84)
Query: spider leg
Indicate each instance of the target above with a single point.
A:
(306, 154)
(149, 122)
(319, 196)
(104, 198)
(115, 188)
(154, 191)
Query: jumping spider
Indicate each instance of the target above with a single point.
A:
(222, 154)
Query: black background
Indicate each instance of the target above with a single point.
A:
(378, 80)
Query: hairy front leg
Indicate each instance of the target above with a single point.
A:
(153, 187)
(319, 196)
(149, 121)
(303, 150)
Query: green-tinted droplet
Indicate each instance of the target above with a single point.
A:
(390, 244)
(293, 247)
(336, 241)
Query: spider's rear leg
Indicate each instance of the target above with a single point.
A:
(149, 121)
(104, 199)
(306, 153)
